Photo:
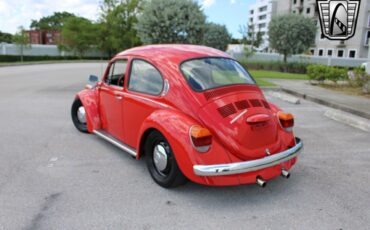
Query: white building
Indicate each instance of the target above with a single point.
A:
(260, 15)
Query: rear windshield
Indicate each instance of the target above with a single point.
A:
(207, 73)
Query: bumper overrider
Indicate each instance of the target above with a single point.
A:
(249, 166)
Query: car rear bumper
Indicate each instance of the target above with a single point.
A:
(249, 166)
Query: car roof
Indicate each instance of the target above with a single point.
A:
(175, 53)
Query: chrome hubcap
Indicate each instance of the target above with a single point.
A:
(81, 115)
(160, 157)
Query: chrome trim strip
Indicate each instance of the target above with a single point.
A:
(116, 142)
(249, 166)
(166, 88)
(239, 115)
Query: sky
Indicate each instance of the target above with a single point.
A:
(15, 13)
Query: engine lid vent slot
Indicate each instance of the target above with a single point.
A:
(227, 110)
(255, 103)
(241, 105)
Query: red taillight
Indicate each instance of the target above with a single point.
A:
(286, 121)
(201, 138)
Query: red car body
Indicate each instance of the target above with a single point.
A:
(249, 141)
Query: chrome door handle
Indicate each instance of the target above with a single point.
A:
(119, 97)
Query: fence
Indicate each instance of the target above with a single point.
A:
(43, 50)
(331, 61)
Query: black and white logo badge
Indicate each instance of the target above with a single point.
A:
(338, 18)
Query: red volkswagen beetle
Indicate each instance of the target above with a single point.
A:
(193, 112)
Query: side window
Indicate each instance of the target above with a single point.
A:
(117, 72)
(145, 78)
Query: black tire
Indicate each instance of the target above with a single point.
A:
(171, 176)
(81, 126)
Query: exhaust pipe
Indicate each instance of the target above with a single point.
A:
(285, 173)
(261, 182)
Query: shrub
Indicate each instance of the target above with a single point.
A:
(359, 77)
(291, 67)
(322, 72)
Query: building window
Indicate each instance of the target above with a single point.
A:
(330, 53)
(352, 54)
(367, 38)
(252, 11)
(264, 8)
(294, 1)
(308, 10)
(312, 51)
(251, 19)
(262, 25)
(340, 53)
(293, 11)
(321, 52)
(262, 17)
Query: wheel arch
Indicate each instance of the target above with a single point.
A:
(174, 126)
(89, 100)
(143, 139)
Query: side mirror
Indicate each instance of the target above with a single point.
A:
(93, 79)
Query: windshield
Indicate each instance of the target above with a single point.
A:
(207, 73)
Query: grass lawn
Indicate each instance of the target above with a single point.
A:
(258, 75)
(272, 74)
(262, 82)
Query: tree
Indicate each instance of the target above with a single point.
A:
(250, 36)
(21, 39)
(78, 34)
(216, 36)
(54, 22)
(236, 41)
(291, 34)
(116, 25)
(171, 21)
(5, 37)
(259, 39)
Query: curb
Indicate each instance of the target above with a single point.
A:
(327, 103)
(285, 97)
(348, 119)
(270, 88)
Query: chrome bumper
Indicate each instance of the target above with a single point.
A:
(249, 166)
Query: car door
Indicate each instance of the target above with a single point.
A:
(111, 98)
(144, 87)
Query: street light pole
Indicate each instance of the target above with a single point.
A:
(368, 58)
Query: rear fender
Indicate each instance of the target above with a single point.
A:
(89, 99)
(175, 127)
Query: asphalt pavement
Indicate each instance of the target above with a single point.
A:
(54, 177)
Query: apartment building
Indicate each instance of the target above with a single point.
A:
(355, 47)
(260, 15)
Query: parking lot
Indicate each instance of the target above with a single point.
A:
(54, 177)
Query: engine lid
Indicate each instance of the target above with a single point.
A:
(244, 123)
